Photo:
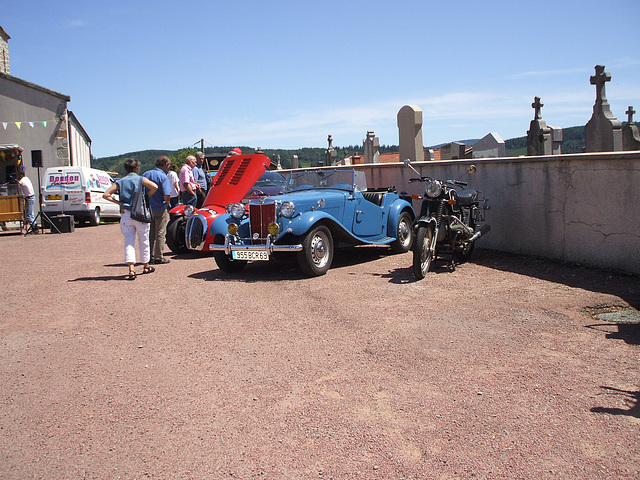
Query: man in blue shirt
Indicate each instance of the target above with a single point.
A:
(158, 203)
(201, 178)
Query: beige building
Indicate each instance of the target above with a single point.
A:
(39, 121)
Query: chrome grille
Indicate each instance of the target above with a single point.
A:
(260, 216)
(196, 232)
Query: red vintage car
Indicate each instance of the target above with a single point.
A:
(235, 178)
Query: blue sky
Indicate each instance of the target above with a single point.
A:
(285, 74)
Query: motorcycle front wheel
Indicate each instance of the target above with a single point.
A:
(422, 254)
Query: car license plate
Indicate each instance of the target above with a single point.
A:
(54, 197)
(250, 255)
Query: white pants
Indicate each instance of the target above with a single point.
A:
(130, 228)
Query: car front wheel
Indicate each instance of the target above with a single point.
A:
(317, 252)
(175, 235)
(226, 264)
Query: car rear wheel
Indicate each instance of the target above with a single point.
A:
(94, 218)
(404, 234)
(175, 235)
(317, 252)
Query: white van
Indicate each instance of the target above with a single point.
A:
(78, 191)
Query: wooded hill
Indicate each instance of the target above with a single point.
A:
(573, 143)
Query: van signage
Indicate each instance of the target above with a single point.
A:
(64, 179)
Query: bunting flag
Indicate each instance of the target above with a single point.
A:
(32, 124)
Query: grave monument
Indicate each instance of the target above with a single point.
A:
(490, 146)
(603, 133)
(630, 134)
(410, 133)
(538, 135)
(452, 151)
(371, 146)
(330, 154)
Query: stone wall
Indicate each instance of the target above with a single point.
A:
(580, 208)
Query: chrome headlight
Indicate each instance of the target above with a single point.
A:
(433, 189)
(236, 210)
(189, 210)
(287, 209)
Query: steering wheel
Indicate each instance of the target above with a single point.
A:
(257, 192)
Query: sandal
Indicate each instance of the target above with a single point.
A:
(148, 270)
(131, 276)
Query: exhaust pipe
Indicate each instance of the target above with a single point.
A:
(483, 231)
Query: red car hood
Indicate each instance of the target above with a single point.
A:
(235, 177)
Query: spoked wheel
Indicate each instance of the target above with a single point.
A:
(175, 235)
(422, 254)
(404, 234)
(317, 252)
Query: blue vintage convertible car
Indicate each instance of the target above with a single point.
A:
(319, 210)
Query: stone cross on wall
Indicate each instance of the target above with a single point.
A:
(630, 133)
(630, 113)
(599, 79)
(537, 104)
(603, 133)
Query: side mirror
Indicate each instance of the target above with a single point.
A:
(407, 163)
(471, 169)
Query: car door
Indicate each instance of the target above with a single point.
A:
(367, 219)
(71, 183)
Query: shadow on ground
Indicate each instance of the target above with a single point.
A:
(631, 398)
(625, 286)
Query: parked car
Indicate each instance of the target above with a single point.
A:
(320, 210)
(236, 175)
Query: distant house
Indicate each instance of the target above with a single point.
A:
(38, 120)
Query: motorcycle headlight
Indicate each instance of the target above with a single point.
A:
(433, 189)
(189, 210)
(236, 210)
(287, 209)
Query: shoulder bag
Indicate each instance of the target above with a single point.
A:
(140, 209)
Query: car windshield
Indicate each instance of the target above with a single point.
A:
(341, 179)
(270, 178)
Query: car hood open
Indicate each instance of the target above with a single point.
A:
(235, 177)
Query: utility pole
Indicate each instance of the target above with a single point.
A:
(202, 145)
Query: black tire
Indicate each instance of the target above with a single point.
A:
(317, 252)
(404, 234)
(422, 255)
(94, 218)
(226, 264)
(175, 235)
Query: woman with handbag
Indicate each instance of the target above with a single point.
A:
(126, 189)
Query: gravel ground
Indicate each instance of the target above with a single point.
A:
(504, 368)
